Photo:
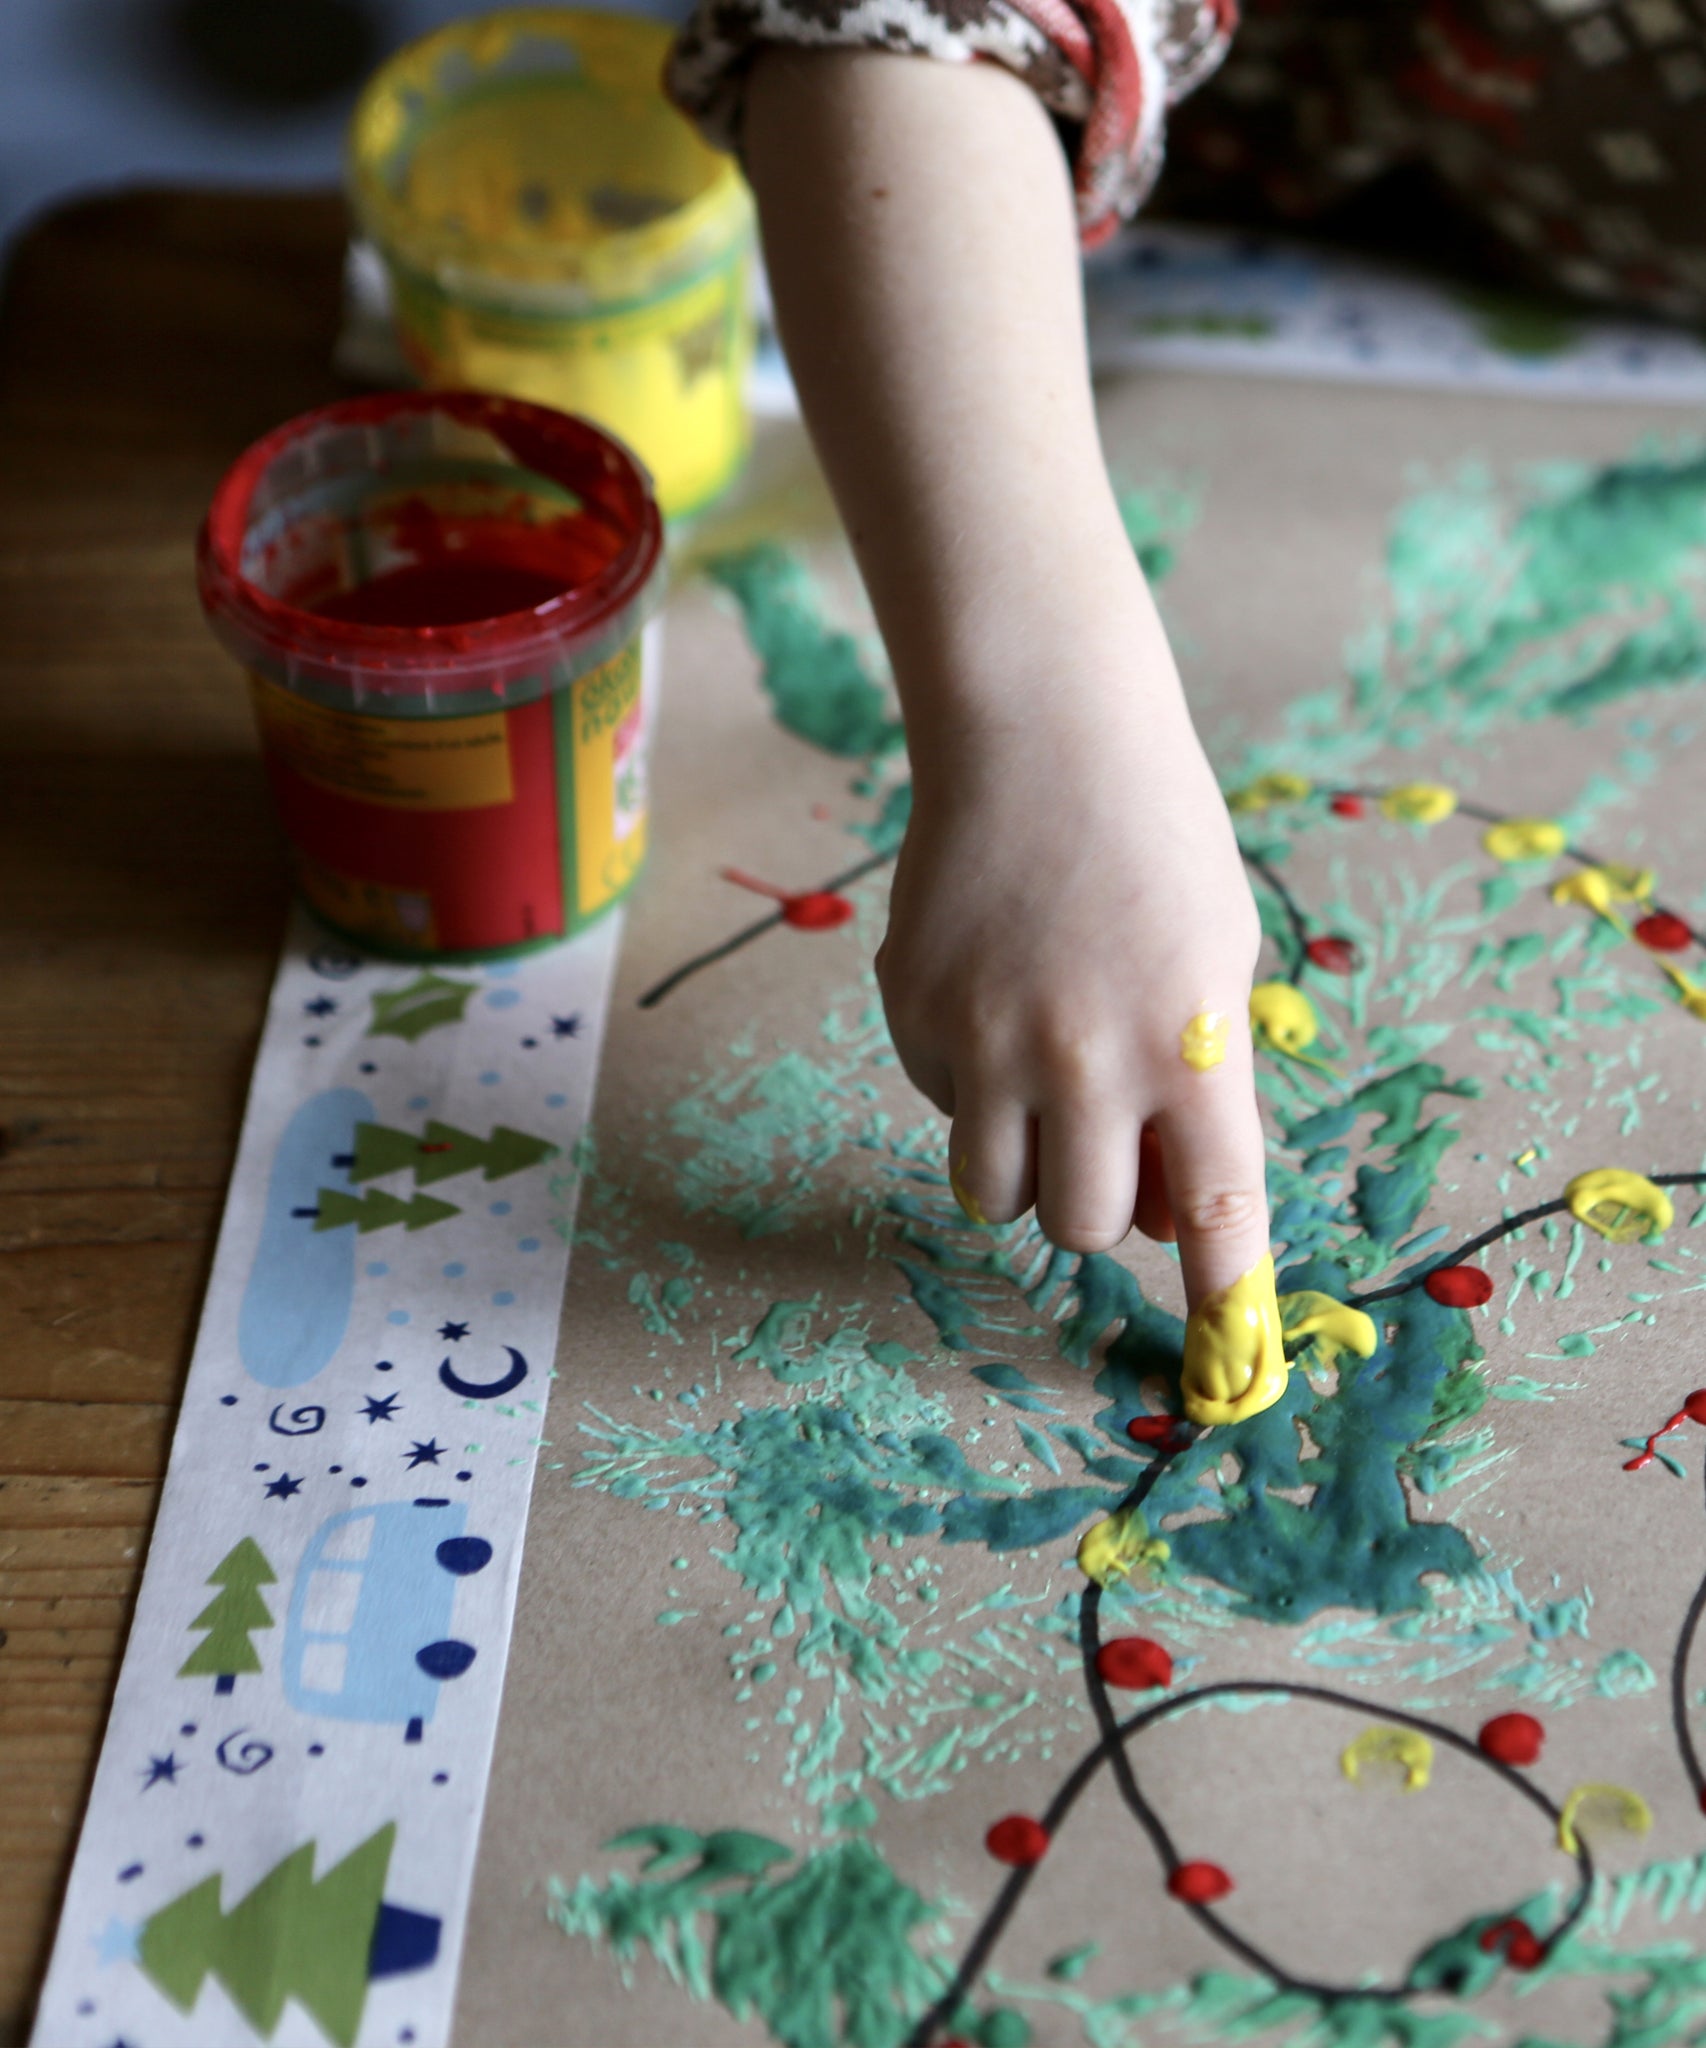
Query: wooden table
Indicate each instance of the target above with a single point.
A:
(144, 340)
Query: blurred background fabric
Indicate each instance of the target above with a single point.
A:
(102, 93)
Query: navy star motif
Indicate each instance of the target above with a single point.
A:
(282, 1487)
(454, 1332)
(162, 1770)
(428, 1453)
(380, 1408)
(566, 1027)
(321, 1006)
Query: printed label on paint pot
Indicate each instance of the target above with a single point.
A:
(390, 917)
(609, 711)
(411, 764)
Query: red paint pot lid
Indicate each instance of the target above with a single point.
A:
(1134, 1663)
(602, 550)
(1458, 1286)
(819, 910)
(1198, 1884)
(1664, 932)
(1018, 1840)
(1512, 1739)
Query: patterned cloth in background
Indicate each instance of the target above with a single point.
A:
(1574, 131)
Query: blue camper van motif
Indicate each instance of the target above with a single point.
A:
(368, 1636)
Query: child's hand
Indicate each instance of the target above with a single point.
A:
(1069, 896)
(1068, 900)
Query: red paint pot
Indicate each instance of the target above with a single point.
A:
(439, 599)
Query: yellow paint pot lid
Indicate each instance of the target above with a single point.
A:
(529, 159)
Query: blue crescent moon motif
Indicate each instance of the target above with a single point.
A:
(473, 1390)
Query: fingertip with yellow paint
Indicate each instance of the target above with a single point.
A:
(970, 1208)
(1235, 1350)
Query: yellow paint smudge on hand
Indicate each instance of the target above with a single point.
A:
(969, 1206)
(1119, 1545)
(1602, 1806)
(1235, 1351)
(1419, 803)
(1268, 790)
(1620, 1205)
(1525, 839)
(1202, 1043)
(1331, 1326)
(1406, 1747)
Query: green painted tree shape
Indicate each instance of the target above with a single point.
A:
(231, 1617)
(291, 1937)
(442, 1151)
(377, 1210)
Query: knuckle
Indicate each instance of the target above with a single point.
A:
(1218, 1209)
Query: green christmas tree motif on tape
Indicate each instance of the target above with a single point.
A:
(291, 1937)
(231, 1618)
(376, 1210)
(429, 1001)
(442, 1151)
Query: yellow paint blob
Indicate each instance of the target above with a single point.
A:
(1119, 1545)
(1410, 1750)
(1331, 1326)
(1283, 1017)
(1419, 803)
(1692, 994)
(1602, 1806)
(1268, 790)
(1202, 1043)
(1598, 888)
(1525, 839)
(1235, 1351)
(1621, 1206)
(969, 1207)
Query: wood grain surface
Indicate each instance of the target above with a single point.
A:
(145, 339)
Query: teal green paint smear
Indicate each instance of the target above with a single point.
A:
(820, 1949)
(816, 677)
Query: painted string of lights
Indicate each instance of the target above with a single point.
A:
(1621, 1207)
(1601, 886)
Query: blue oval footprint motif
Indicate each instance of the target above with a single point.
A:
(297, 1303)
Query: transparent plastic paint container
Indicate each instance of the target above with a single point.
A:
(556, 231)
(441, 602)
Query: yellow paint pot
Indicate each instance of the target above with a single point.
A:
(554, 230)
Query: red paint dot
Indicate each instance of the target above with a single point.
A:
(1018, 1840)
(1336, 956)
(1347, 806)
(1664, 933)
(1198, 1884)
(1458, 1286)
(1695, 1406)
(1523, 1948)
(819, 910)
(1134, 1663)
(1162, 1430)
(1512, 1739)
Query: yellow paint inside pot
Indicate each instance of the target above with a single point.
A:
(555, 230)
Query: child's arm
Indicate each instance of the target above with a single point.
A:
(1069, 895)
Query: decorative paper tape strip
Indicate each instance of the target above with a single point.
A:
(284, 1820)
